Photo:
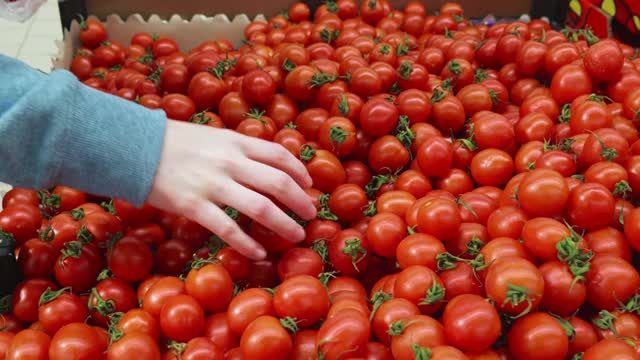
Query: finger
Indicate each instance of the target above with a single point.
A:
(261, 209)
(213, 218)
(269, 180)
(277, 156)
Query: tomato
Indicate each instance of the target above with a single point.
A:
(266, 338)
(610, 348)
(415, 331)
(388, 154)
(422, 287)
(160, 292)
(211, 285)
(29, 344)
(492, 167)
(22, 221)
(130, 259)
(349, 252)
(563, 292)
(515, 285)
(77, 266)
(533, 329)
(601, 206)
(218, 331)
(569, 82)
(246, 307)
(543, 192)
(419, 249)
(324, 168)
(435, 156)
(37, 258)
(26, 297)
(603, 60)
(290, 300)
(471, 323)
(337, 135)
(602, 292)
(540, 237)
(135, 345)
(343, 335)
(378, 117)
(440, 218)
(182, 318)
(110, 296)
(75, 341)
(138, 321)
(59, 308)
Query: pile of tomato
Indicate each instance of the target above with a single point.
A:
(476, 191)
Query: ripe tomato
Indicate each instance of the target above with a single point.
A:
(534, 328)
(471, 323)
(338, 135)
(324, 168)
(266, 338)
(435, 156)
(77, 266)
(247, 306)
(388, 154)
(290, 300)
(135, 345)
(603, 60)
(211, 285)
(419, 249)
(130, 259)
(76, 341)
(258, 87)
(32, 344)
(138, 321)
(160, 292)
(26, 297)
(610, 348)
(182, 318)
(569, 82)
(416, 331)
(378, 117)
(603, 293)
(515, 285)
(492, 167)
(440, 218)
(110, 296)
(422, 287)
(349, 252)
(59, 308)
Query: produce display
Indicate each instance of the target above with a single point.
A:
(476, 190)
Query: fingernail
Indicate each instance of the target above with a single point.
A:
(260, 254)
(300, 234)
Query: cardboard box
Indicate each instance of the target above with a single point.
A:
(188, 8)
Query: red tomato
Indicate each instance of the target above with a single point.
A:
(534, 328)
(471, 323)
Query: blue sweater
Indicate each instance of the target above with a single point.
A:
(56, 131)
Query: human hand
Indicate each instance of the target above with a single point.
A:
(202, 169)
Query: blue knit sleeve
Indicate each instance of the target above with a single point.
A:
(54, 130)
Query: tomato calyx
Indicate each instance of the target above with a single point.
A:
(531, 166)
(571, 34)
(325, 277)
(329, 35)
(325, 213)
(402, 49)
(421, 352)
(77, 214)
(515, 296)
(113, 331)
(256, 114)
(371, 4)
(578, 356)
(405, 69)
(469, 142)
(604, 321)
(290, 324)
(215, 244)
(155, 76)
(104, 275)
(5, 304)
(434, 294)
(177, 348)
(622, 189)
(49, 203)
(589, 37)
(198, 263)
(404, 132)
(320, 79)
(288, 65)
(447, 261)
(384, 49)
(231, 212)
(438, 94)
(47, 234)
(84, 236)
(332, 6)
(50, 295)
(480, 75)
(565, 114)
(83, 22)
(474, 246)
(320, 247)
(370, 209)
(343, 105)
(353, 247)
(577, 259)
(222, 68)
(377, 182)
(102, 306)
(608, 154)
(200, 118)
(447, 33)
(377, 300)
(455, 68)
(580, 177)
(566, 325)
(459, 201)
(307, 153)
(338, 135)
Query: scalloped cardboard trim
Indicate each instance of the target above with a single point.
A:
(188, 33)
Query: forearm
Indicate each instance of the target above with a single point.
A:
(55, 130)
